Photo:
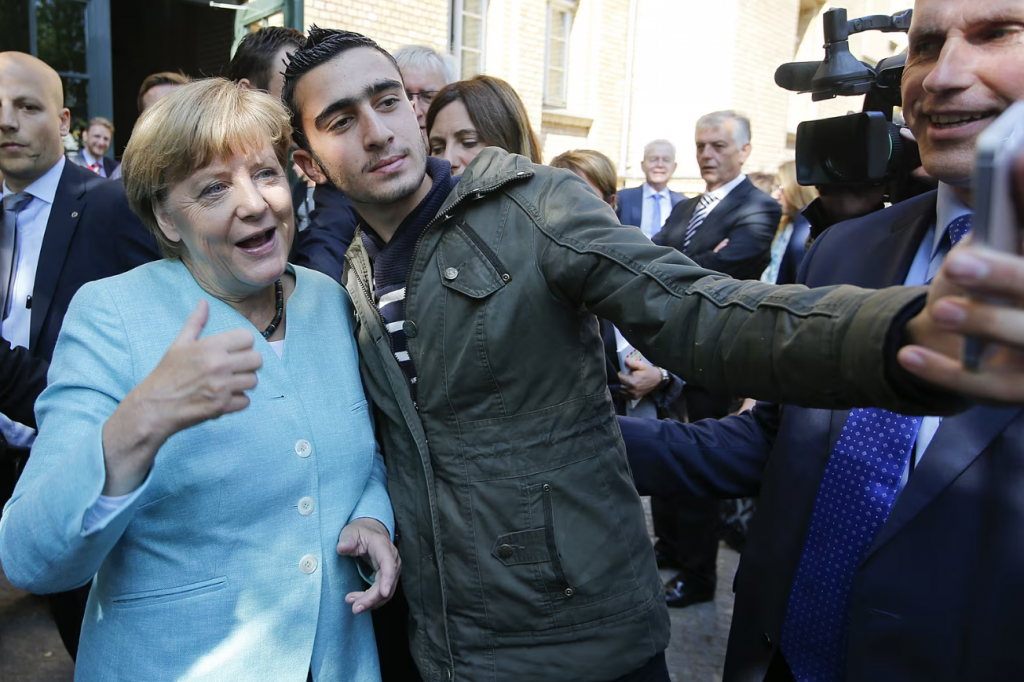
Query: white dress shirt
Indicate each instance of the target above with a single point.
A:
(16, 328)
(926, 264)
(647, 225)
(91, 161)
(723, 191)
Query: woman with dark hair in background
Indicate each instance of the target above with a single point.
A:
(484, 111)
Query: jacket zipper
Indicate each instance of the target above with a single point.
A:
(487, 251)
(369, 299)
(447, 214)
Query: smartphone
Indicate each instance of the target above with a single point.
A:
(995, 221)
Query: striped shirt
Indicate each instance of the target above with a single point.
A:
(392, 260)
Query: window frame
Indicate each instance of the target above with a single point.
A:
(259, 11)
(458, 9)
(557, 100)
(98, 63)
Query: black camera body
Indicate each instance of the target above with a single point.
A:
(857, 149)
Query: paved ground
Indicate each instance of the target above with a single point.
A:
(31, 650)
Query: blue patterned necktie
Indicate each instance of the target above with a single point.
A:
(959, 228)
(856, 494)
(656, 215)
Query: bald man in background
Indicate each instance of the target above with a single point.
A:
(63, 226)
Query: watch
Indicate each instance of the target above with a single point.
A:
(664, 377)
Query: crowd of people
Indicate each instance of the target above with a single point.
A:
(393, 421)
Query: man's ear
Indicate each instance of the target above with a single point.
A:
(246, 84)
(65, 121)
(165, 222)
(744, 153)
(309, 166)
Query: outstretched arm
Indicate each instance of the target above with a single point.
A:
(710, 458)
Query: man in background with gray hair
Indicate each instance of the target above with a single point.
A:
(424, 71)
(649, 205)
(728, 228)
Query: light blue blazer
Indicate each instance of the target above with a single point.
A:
(214, 571)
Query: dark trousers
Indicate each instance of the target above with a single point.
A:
(687, 528)
(391, 628)
(68, 610)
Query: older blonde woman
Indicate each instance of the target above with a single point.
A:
(205, 447)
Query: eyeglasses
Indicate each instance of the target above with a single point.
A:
(426, 96)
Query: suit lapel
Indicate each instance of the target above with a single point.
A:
(65, 213)
(637, 207)
(959, 441)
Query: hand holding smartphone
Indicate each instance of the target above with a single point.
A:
(996, 222)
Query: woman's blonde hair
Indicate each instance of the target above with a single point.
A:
(595, 166)
(797, 195)
(198, 123)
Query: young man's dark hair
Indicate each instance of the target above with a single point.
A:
(153, 80)
(322, 45)
(254, 57)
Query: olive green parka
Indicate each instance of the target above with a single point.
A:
(525, 551)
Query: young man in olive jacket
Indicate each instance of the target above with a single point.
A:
(523, 540)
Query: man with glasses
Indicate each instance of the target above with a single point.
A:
(424, 71)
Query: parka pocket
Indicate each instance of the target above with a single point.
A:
(570, 565)
(468, 265)
(162, 596)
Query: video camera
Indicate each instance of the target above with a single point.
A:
(856, 149)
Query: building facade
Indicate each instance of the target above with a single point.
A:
(609, 75)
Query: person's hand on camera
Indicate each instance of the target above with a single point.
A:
(642, 379)
(196, 380)
(369, 540)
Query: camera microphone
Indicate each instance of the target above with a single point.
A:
(796, 76)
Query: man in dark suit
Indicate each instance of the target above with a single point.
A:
(63, 226)
(886, 548)
(728, 228)
(96, 140)
(649, 205)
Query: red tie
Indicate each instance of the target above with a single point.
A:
(95, 168)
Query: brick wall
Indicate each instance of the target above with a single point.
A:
(690, 57)
(392, 23)
(764, 39)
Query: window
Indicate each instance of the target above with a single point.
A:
(556, 55)
(54, 31)
(469, 29)
(257, 14)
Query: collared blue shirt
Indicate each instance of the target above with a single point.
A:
(16, 328)
(926, 264)
(647, 225)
